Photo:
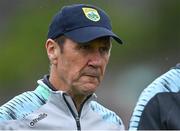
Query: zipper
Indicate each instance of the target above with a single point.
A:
(76, 117)
(78, 123)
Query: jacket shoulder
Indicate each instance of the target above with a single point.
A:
(105, 113)
(23, 104)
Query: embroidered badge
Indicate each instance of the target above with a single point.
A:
(91, 14)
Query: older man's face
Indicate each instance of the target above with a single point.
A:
(81, 67)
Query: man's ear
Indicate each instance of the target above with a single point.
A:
(53, 51)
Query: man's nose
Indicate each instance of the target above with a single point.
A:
(95, 58)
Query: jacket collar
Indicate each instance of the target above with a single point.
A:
(61, 98)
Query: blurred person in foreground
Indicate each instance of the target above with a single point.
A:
(158, 107)
(78, 47)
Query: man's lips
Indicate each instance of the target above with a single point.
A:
(93, 75)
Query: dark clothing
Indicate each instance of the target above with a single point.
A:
(161, 113)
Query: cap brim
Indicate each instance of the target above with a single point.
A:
(87, 34)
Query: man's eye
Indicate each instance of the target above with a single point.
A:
(85, 47)
(104, 49)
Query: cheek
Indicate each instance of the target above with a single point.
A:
(77, 66)
(106, 61)
(71, 67)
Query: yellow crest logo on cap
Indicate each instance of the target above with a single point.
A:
(91, 14)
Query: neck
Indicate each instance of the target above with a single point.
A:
(56, 81)
(78, 101)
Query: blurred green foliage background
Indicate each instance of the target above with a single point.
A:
(150, 30)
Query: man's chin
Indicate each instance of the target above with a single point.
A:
(89, 89)
(85, 87)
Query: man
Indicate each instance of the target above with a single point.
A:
(158, 105)
(78, 47)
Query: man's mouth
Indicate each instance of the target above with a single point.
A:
(91, 75)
